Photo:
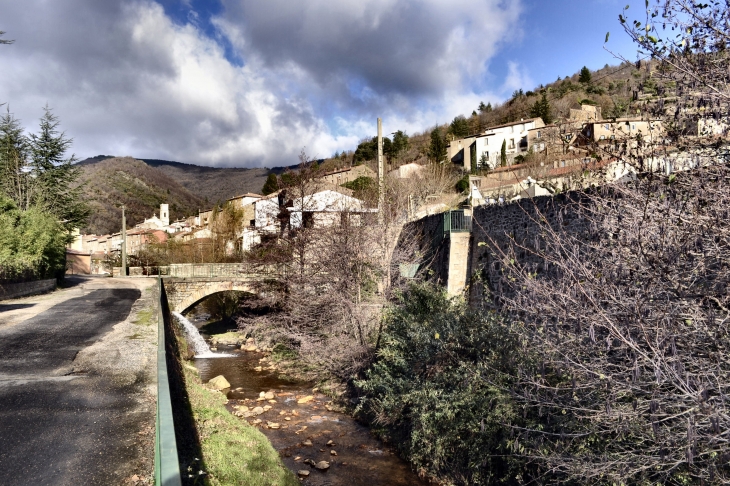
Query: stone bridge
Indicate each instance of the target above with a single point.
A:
(188, 284)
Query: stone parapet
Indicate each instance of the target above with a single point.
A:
(16, 290)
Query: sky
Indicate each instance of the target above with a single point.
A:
(251, 83)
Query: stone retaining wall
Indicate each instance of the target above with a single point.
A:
(13, 291)
(513, 229)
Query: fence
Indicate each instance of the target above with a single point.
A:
(167, 467)
(457, 221)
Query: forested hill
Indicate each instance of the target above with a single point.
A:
(208, 183)
(110, 182)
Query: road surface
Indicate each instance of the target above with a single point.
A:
(77, 385)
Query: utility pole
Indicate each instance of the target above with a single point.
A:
(381, 182)
(124, 244)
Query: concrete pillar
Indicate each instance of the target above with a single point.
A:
(458, 263)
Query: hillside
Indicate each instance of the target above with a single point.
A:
(623, 90)
(112, 182)
(211, 184)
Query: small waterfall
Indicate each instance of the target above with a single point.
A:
(199, 345)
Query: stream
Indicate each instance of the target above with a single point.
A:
(299, 423)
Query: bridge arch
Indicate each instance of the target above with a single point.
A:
(183, 294)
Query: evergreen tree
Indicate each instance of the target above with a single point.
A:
(4, 41)
(459, 127)
(55, 176)
(437, 149)
(14, 179)
(584, 76)
(271, 185)
(542, 109)
(503, 154)
(399, 145)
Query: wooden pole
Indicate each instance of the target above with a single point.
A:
(381, 182)
(124, 245)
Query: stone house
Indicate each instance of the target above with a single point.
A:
(407, 171)
(621, 129)
(348, 174)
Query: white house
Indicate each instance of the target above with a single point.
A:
(322, 208)
(485, 149)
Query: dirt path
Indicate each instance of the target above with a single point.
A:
(77, 384)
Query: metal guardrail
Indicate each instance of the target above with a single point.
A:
(457, 221)
(167, 466)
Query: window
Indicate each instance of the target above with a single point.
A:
(633, 126)
(613, 137)
(511, 143)
(607, 126)
(539, 134)
(603, 137)
(252, 222)
(562, 163)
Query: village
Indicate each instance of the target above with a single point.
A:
(503, 163)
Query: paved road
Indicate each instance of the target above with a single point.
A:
(61, 424)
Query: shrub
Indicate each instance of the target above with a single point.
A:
(32, 244)
(437, 388)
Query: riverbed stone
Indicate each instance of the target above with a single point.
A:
(269, 395)
(219, 382)
(322, 465)
(258, 410)
(273, 425)
(306, 399)
(303, 472)
(307, 443)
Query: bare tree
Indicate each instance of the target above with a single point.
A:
(337, 259)
(623, 291)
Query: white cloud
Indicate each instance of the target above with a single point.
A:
(126, 80)
(517, 78)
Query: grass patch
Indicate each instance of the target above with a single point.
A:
(233, 451)
(231, 337)
(144, 317)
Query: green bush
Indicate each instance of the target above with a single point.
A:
(32, 243)
(438, 389)
(463, 184)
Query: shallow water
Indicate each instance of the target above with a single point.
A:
(360, 460)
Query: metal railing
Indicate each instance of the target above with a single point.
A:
(167, 466)
(457, 221)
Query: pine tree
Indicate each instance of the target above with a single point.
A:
(55, 175)
(14, 179)
(584, 76)
(542, 109)
(437, 149)
(271, 185)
